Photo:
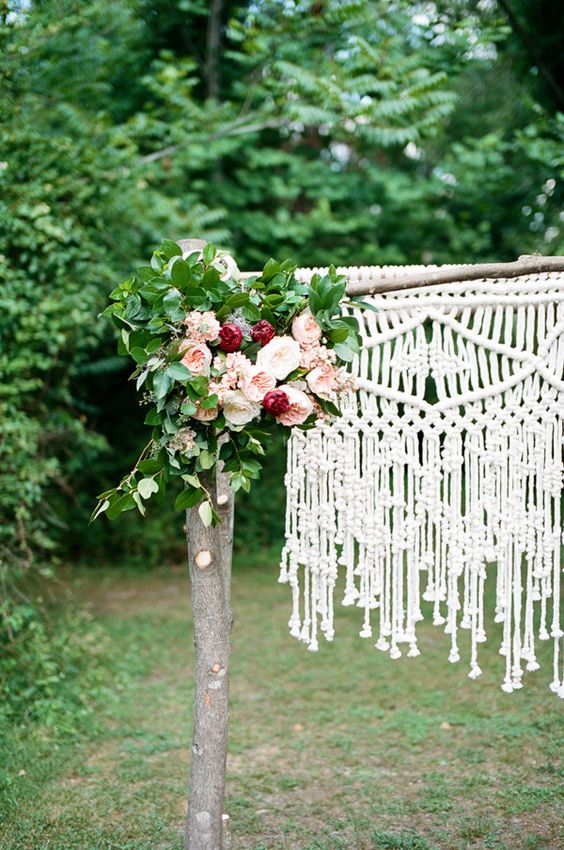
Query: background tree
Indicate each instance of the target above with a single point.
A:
(344, 130)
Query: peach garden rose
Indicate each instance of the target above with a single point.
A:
(204, 414)
(323, 381)
(256, 383)
(306, 330)
(300, 408)
(196, 356)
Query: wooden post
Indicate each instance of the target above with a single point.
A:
(209, 559)
(209, 565)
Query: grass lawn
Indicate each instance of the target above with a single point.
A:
(340, 749)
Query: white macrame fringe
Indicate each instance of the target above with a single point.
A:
(419, 498)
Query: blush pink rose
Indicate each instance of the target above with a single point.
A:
(306, 330)
(300, 406)
(323, 381)
(197, 356)
(256, 383)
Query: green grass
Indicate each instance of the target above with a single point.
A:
(343, 749)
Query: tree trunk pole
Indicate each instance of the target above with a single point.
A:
(209, 557)
(209, 561)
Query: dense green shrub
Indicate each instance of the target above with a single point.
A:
(51, 664)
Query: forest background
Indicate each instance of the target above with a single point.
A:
(340, 131)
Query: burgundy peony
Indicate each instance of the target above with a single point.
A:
(262, 332)
(230, 337)
(276, 402)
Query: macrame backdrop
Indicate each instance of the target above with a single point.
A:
(443, 470)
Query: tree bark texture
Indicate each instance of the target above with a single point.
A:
(212, 627)
(209, 557)
(213, 46)
(432, 277)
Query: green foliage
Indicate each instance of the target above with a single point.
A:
(150, 312)
(50, 665)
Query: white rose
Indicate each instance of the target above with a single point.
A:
(279, 357)
(238, 409)
(223, 262)
(226, 266)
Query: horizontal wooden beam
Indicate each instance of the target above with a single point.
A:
(525, 265)
(379, 283)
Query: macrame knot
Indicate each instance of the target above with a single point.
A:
(428, 493)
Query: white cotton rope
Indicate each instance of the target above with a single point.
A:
(443, 469)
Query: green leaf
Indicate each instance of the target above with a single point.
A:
(156, 263)
(161, 384)
(146, 273)
(188, 498)
(274, 300)
(196, 297)
(138, 355)
(251, 312)
(251, 468)
(180, 272)
(139, 502)
(270, 269)
(210, 402)
(153, 418)
(206, 459)
(187, 408)
(100, 508)
(344, 352)
(338, 334)
(192, 480)
(149, 466)
(237, 480)
(359, 302)
(178, 372)
(237, 300)
(329, 407)
(208, 254)
(172, 301)
(153, 345)
(206, 513)
(170, 249)
(122, 503)
(200, 385)
(147, 486)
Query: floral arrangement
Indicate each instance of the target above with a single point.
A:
(217, 355)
